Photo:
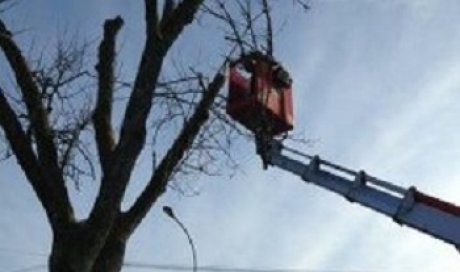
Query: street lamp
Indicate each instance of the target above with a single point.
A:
(169, 212)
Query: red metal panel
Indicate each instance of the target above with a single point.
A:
(288, 108)
(437, 203)
(239, 86)
(255, 101)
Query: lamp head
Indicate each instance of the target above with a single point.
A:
(168, 211)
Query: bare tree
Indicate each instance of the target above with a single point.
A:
(54, 125)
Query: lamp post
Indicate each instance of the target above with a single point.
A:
(169, 212)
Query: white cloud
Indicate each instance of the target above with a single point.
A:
(399, 121)
(378, 87)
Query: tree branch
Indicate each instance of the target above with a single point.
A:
(103, 112)
(267, 12)
(158, 182)
(151, 17)
(133, 129)
(31, 95)
(172, 25)
(47, 153)
(168, 7)
(232, 23)
(58, 212)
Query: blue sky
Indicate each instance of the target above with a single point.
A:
(376, 87)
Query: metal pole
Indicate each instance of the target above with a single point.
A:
(169, 212)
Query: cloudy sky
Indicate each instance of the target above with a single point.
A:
(377, 85)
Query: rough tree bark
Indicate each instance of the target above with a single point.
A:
(98, 243)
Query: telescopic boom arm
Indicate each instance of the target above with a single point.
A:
(409, 207)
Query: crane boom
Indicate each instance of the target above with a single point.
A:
(263, 104)
(409, 207)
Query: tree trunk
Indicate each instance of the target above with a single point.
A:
(69, 263)
(110, 258)
(67, 256)
(75, 248)
(80, 248)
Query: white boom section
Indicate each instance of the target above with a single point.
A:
(406, 206)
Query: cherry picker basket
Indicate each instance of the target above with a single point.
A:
(260, 94)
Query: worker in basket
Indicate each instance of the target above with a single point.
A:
(266, 92)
